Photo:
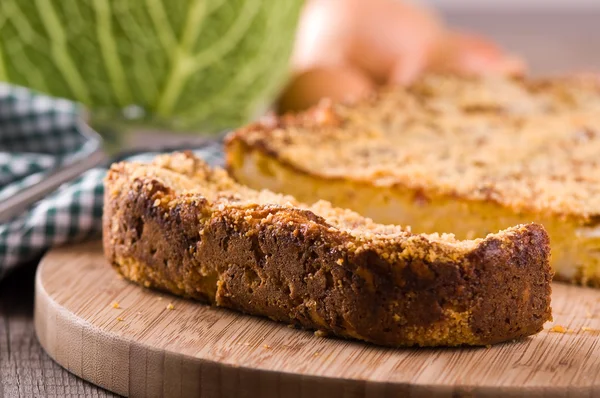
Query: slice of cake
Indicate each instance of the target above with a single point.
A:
(463, 155)
(178, 226)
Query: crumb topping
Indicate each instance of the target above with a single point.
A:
(188, 178)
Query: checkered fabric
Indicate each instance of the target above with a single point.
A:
(37, 134)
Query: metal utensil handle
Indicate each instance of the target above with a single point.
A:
(19, 202)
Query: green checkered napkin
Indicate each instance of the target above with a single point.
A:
(37, 134)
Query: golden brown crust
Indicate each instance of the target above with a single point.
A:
(178, 226)
(526, 145)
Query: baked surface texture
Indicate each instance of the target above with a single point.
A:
(463, 155)
(179, 226)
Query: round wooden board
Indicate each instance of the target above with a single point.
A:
(145, 349)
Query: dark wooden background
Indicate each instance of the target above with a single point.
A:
(553, 43)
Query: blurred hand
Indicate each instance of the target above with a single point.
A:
(469, 54)
(387, 39)
(386, 42)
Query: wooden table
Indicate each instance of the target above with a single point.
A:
(552, 43)
(25, 369)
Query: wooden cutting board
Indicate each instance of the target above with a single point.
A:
(155, 345)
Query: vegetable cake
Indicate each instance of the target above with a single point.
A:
(182, 227)
(448, 154)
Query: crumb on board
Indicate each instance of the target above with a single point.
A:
(170, 306)
(488, 346)
(560, 329)
(115, 304)
(267, 347)
(316, 354)
(589, 329)
(120, 319)
(320, 333)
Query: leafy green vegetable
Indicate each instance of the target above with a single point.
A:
(202, 64)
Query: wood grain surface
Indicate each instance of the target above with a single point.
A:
(154, 344)
(25, 369)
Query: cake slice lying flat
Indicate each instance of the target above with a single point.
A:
(178, 226)
(465, 156)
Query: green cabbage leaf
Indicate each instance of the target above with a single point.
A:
(190, 64)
